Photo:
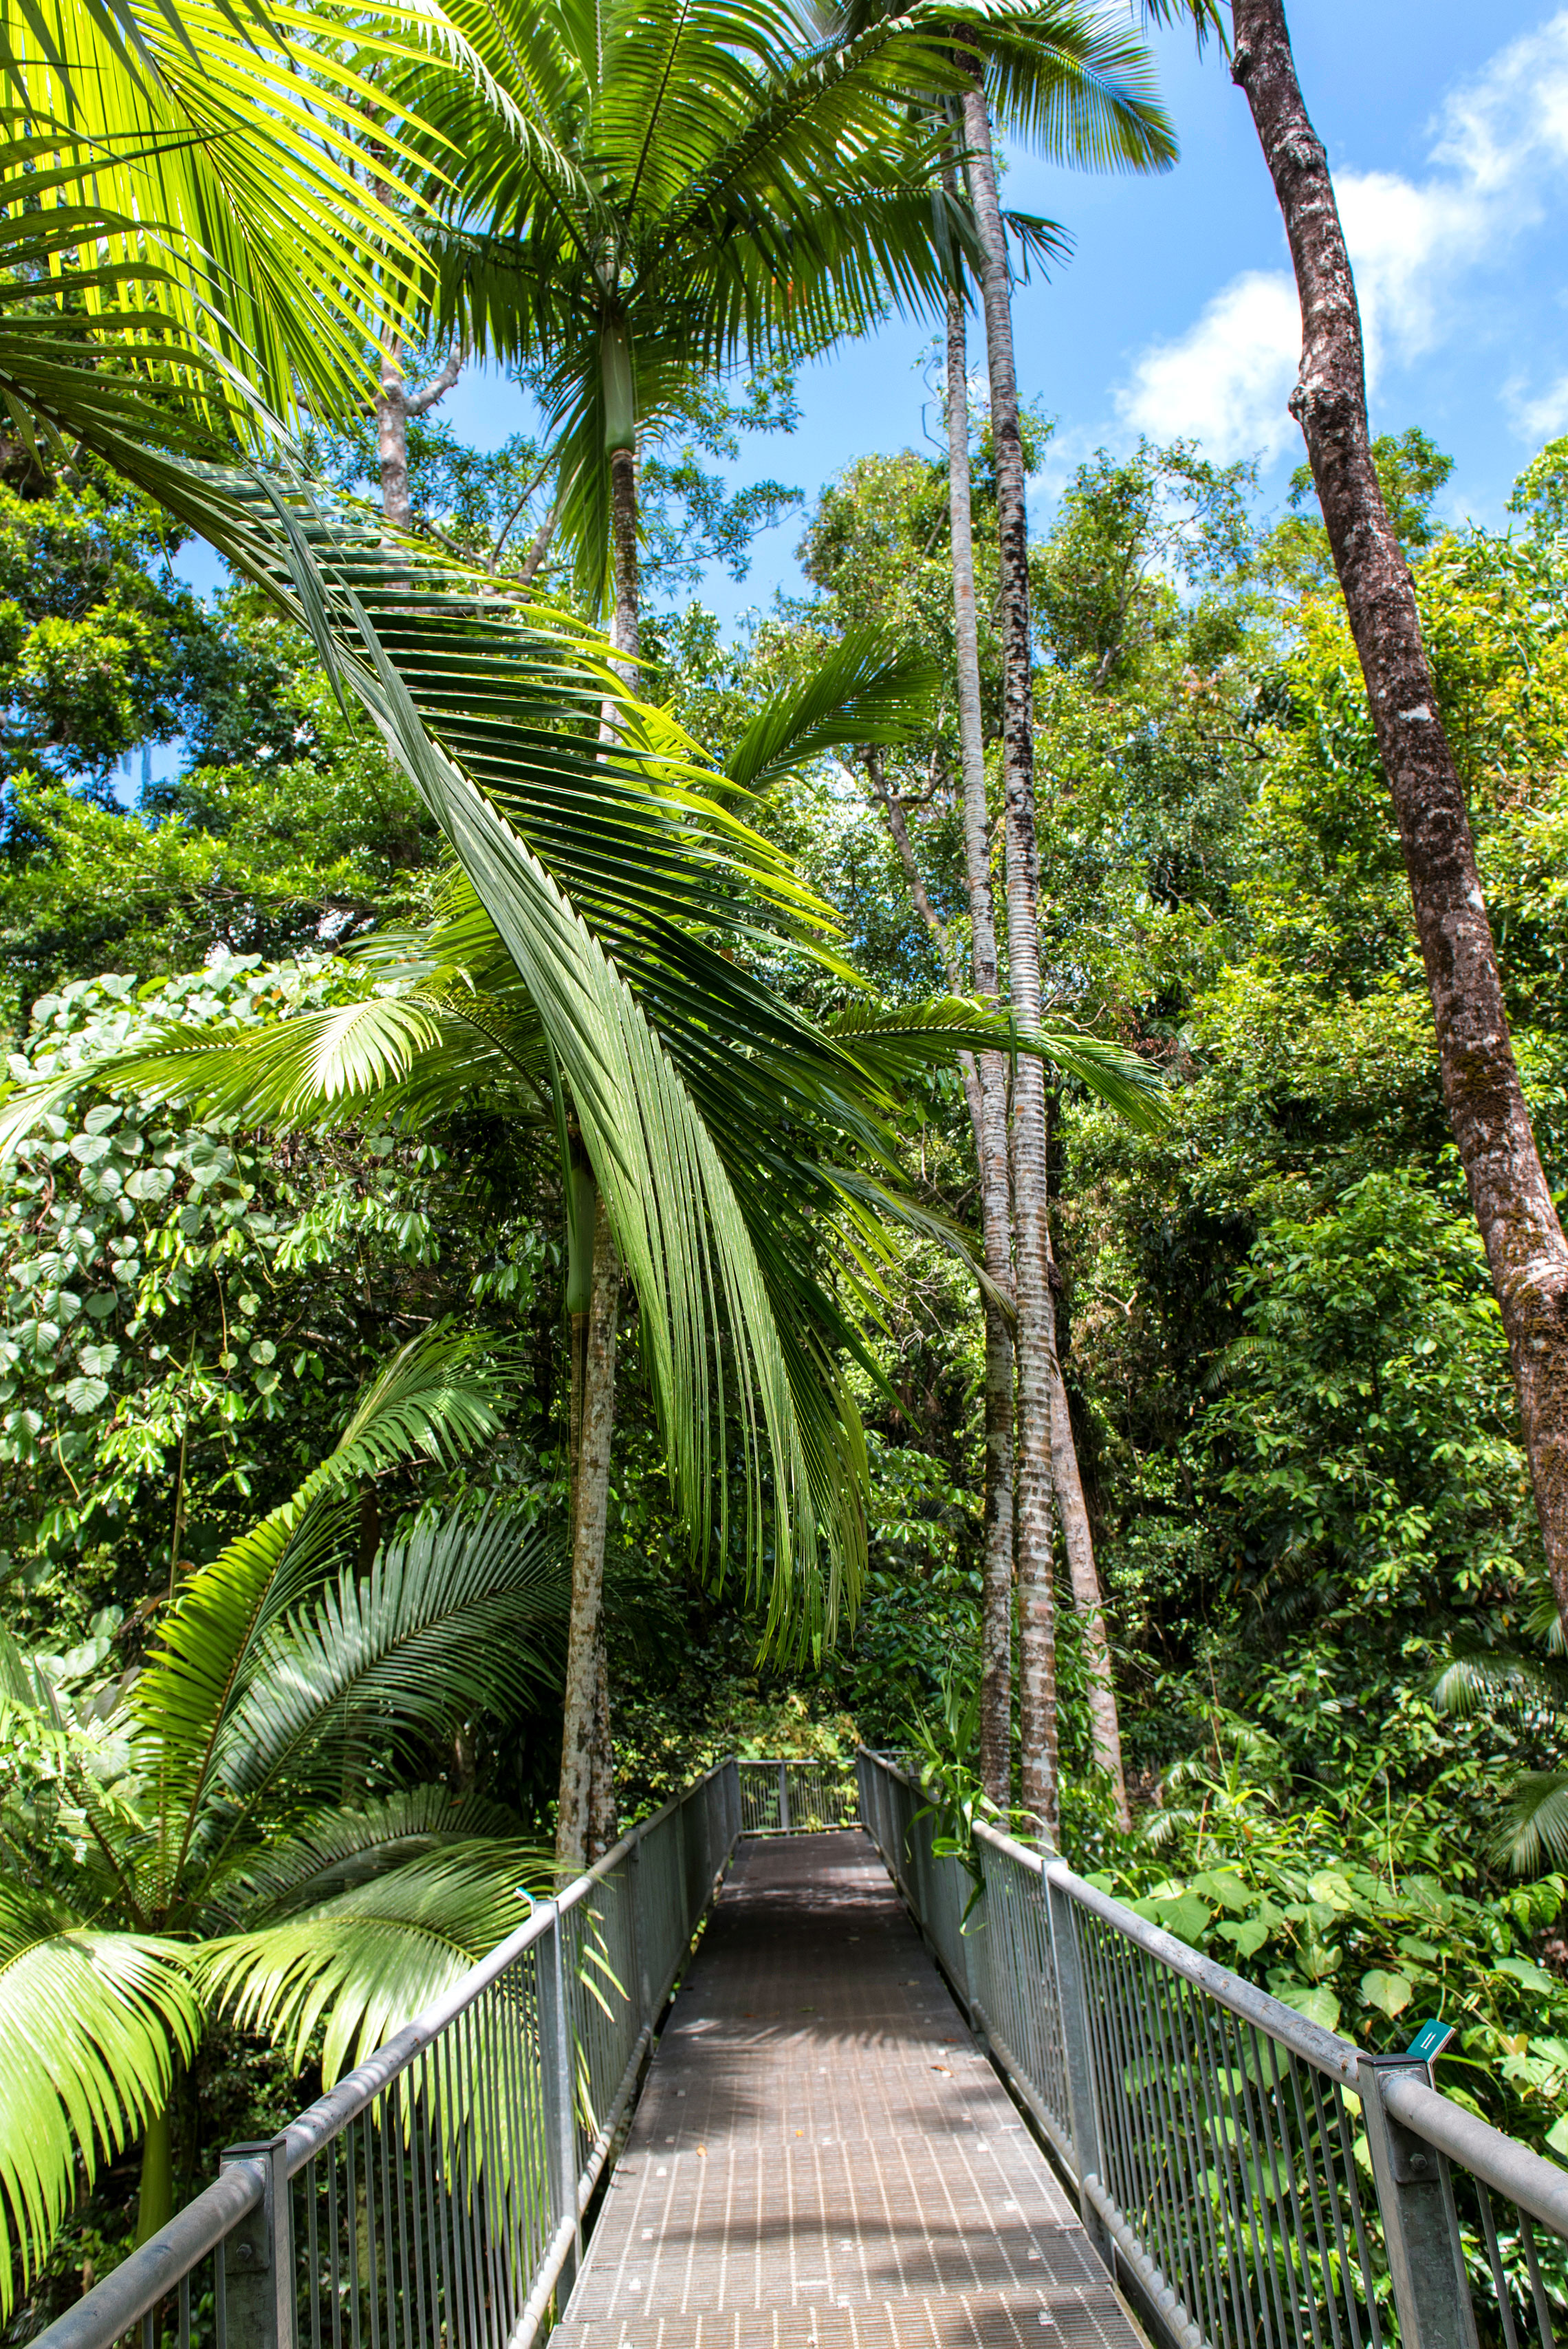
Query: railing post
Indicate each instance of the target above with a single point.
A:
(1420, 2225)
(639, 1969)
(1077, 2052)
(560, 2096)
(783, 1798)
(258, 2256)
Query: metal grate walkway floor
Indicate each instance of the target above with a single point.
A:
(821, 2158)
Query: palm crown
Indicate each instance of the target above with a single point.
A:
(218, 1854)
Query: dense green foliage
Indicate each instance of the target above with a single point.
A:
(1290, 1391)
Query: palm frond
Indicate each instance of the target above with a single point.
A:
(434, 1398)
(463, 1616)
(1533, 1834)
(91, 2023)
(336, 1849)
(369, 1961)
(863, 690)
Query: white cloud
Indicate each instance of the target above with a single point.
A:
(1225, 381)
(1498, 144)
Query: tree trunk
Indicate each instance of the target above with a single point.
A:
(1035, 1343)
(155, 2204)
(392, 438)
(624, 553)
(602, 1817)
(1486, 1105)
(989, 1114)
(1104, 1721)
(589, 1520)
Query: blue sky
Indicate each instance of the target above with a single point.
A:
(1447, 127)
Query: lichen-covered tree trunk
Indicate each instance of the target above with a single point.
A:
(1034, 1342)
(603, 1814)
(1508, 1187)
(988, 1106)
(591, 1518)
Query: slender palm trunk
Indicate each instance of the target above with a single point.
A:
(155, 2204)
(603, 1814)
(1104, 1725)
(590, 1516)
(1508, 1187)
(988, 1106)
(1036, 1340)
(587, 1771)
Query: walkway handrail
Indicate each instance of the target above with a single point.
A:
(1222, 2145)
(436, 2194)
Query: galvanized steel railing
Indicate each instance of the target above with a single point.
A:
(791, 1797)
(1258, 2182)
(434, 2198)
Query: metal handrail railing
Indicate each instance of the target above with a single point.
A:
(1257, 2181)
(783, 1794)
(436, 2194)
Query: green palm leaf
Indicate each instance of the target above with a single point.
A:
(375, 1956)
(336, 1849)
(91, 2023)
(433, 1398)
(463, 1616)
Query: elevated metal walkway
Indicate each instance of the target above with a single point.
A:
(823, 2155)
(839, 2146)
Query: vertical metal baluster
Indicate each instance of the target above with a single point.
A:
(331, 2220)
(183, 2316)
(1494, 2259)
(1158, 2241)
(1119, 2178)
(1296, 2242)
(460, 2332)
(430, 2157)
(1537, 2288)
(1353, 2188)
(383, 2105)
(1176, 2083)
(1263, 2231)
(399, 2137)
(372, 2261)
(1295, 2066)
(1171, 1992)
(312, 2196)
(1135, 2204)
(1227, 2166)
(492, 2167)
(1348, 2271)
(219, 2299)
(351, 2174)
(425, 2305)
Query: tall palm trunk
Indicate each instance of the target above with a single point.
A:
(988, 1106)
(155, 2203)
(395, 404)
(587, 1797)
(1508, 1187)
(1036, 1340)
(591, 1499)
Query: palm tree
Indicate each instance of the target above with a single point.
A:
(786, 1123)
(697, 185)
(1080, 91)
(218, 1861)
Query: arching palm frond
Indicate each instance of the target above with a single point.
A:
(372, 1958)
(1533, 1833)
(463, 1616)
(212, 150)
(338, 1849)
(433, 1398)
(862, 690)
(91, 2023)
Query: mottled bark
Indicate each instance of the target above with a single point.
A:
(987, 1106)
(394, 406)
(1035, 1337)
(1508, 1187)
(603, 1816)
(591, 1518)
(624, 556)
(1104, 1722)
